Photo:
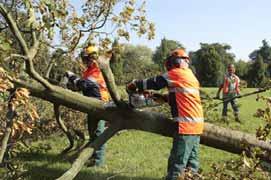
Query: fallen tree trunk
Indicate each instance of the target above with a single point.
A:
(233, 141)
(213, 136)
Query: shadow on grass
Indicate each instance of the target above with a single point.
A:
(49, 157)
(44, 172)
(38, 156)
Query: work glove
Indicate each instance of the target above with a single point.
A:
(131, 87)
(71, 76)
(72, 80)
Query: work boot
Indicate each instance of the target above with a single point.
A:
(90, 162)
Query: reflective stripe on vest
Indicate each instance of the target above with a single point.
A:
(144, 84)
(188, 119)
(184, 84)
(184, 90)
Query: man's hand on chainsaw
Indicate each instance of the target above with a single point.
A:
(71, 77)
(69, 74)
(131, 87)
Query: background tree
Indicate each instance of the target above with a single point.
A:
(257, 73)
(210, 62)
(163, 50)
(116, 62)
(225, 55)
(265, 52)
(137, 62)
(242, 68)
(208, 65)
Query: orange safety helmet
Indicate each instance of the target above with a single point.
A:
(180, 53)
(175, 59)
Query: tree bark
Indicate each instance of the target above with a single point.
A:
(213, 136)
(233, 141)
(109, 79)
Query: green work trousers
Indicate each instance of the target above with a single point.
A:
(96, 128)
(233, 104)
(184, 154)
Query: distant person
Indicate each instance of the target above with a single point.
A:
(186, 110)
(231, 89)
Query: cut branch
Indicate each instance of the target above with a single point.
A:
(52, 61)
(88, 151)
(15, 56)
(76, 42)
(103, 21)
(92, 28)
(30, 54)
(14, 28)
(63, 128)
(31, 71)
(109, 79)
(35, 39)
(30, 66)
(49, 69)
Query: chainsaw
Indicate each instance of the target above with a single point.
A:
(145, 99)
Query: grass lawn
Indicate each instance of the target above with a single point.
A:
(132, 155)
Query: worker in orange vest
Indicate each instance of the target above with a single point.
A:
(231, 89)
(186, 109)
(92, 84)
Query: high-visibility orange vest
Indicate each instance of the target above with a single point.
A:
(185, 85)
(94, 73)
(228, 82)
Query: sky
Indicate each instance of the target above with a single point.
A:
(243, 24)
